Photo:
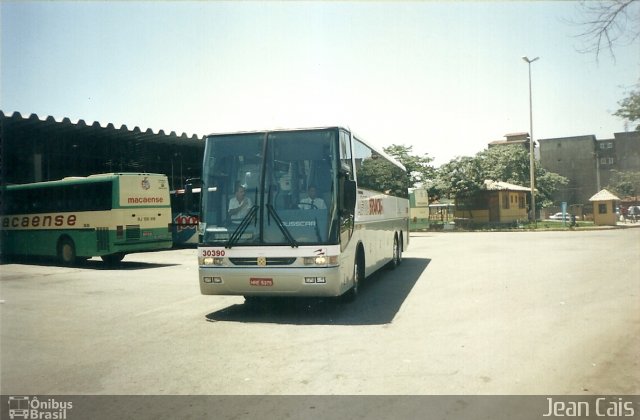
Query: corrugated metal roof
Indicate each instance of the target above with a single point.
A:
(42, 149)
(491, 185)
(123, 131)
(604, 195)
(508, 142)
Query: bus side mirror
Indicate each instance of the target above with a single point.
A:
(350, 193)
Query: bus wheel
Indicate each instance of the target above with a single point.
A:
(397, 253)
(66, 251)
(113, 259)
(351, 294)
(399, 242)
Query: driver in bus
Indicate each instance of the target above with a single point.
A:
(239, 205)
(312, 201)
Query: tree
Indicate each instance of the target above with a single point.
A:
(547, 184)
(625, 183)
(419, 167)
(463, 177)
(506, 163)
(511, 164)
(630, 108)
(385, 175)
(609, 23)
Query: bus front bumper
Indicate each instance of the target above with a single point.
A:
(271, 281)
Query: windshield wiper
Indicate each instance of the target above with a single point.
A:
(246, 221)
(283, 229)
(317, 229)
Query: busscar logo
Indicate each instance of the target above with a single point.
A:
(32, 408)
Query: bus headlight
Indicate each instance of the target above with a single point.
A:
(211, 261)
(321, 260)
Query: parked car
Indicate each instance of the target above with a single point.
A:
(558, 216)
(633, 213)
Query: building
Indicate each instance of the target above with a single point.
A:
(627, 151)
(573, 158)
(34, 150)
(588, 163)
(499, 202)
(521, 139)
(604, 208)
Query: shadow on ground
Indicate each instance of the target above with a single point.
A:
(87, 264)
(379, 299)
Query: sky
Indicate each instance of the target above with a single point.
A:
(445, 78)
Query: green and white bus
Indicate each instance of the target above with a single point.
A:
(105, 215)
(308, 212)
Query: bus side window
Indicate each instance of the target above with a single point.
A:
(345, 152)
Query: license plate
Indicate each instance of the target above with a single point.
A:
(260, 282)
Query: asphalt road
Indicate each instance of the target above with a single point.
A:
(465, 313)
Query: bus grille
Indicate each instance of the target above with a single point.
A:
(270, 261)
(132, 232)
(103, 238)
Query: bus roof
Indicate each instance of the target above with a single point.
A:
(336, 127)
(79, 179)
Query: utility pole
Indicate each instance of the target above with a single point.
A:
(532, 167)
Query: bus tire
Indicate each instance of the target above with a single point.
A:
(66, 251)
(358, 276)
(113, 259)
(396, 259)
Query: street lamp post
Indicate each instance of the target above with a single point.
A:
(531, 148)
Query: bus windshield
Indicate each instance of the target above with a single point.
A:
(276, 188)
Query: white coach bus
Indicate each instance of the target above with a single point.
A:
(307, 212)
